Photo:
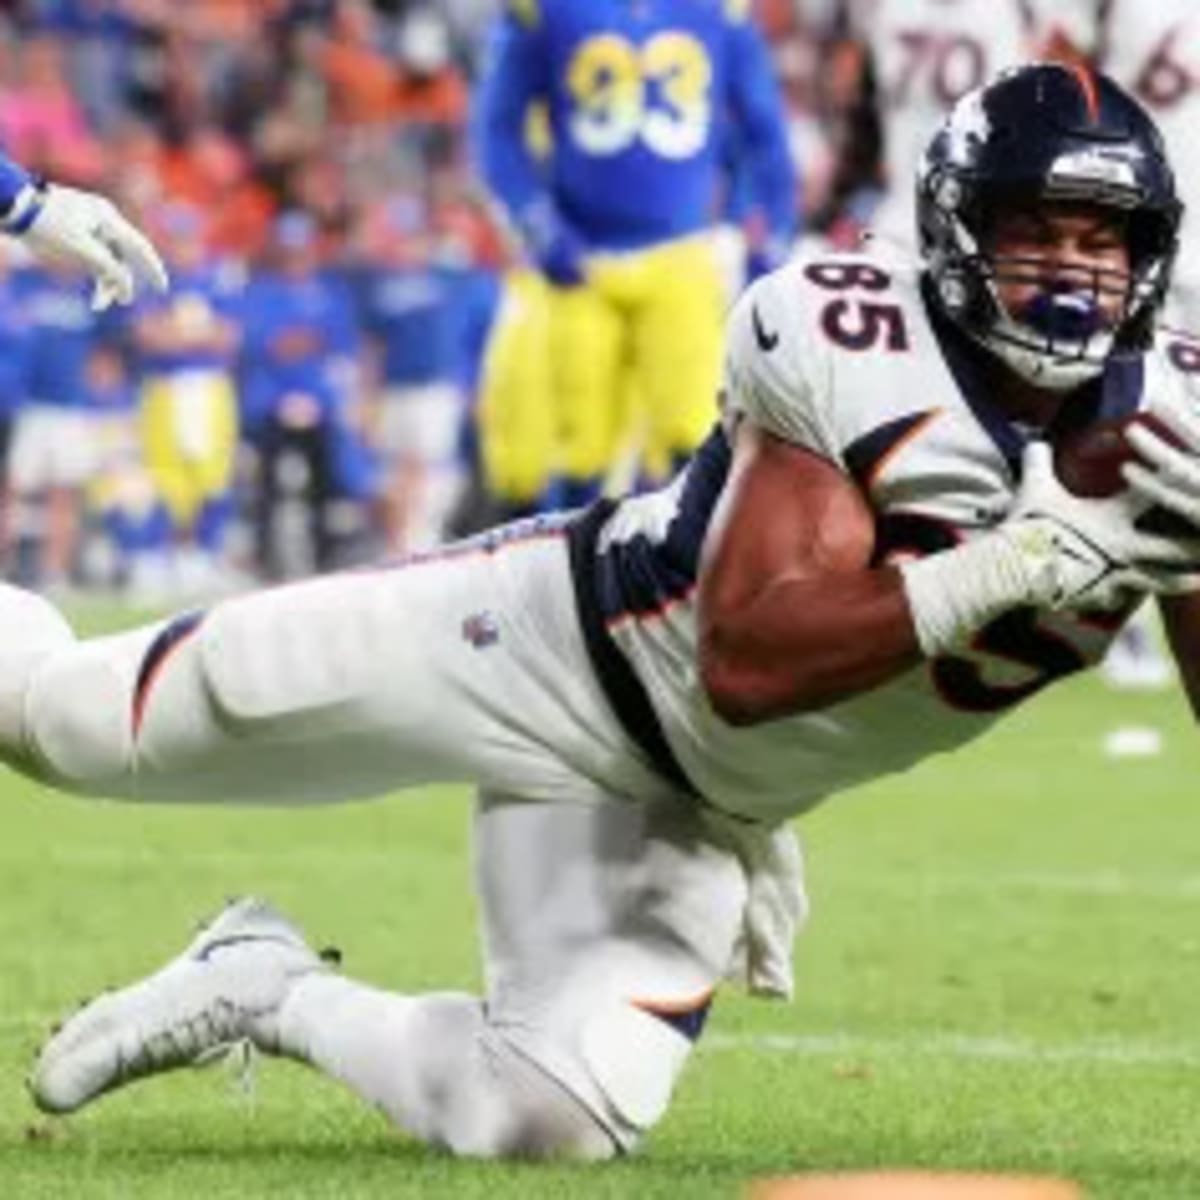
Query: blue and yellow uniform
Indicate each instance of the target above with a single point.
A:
(616, 216)
(188, 401)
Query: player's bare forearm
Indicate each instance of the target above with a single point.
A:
(1181, 617)
(805, 644)
(792, 615)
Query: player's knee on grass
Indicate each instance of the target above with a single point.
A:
(635, 1057)
(517, 1111)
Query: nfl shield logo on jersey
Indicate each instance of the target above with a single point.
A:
(481, 629)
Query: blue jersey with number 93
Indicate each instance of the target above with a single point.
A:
(636, 92)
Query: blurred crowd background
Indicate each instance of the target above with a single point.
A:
(304, 166)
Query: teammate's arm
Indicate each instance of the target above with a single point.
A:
(792, 618)
(81, 229)
(756, 104)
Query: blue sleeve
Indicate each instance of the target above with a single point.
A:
(756, 104)
(514, 77)
(480, 300)
(12, 179)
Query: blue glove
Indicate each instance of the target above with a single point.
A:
(554, 245)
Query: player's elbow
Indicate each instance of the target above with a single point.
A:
(733, 693)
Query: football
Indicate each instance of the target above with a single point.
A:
(913, 1185)
(1088, 462)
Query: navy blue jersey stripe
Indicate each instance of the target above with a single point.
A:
(168, 638)
(689, 1023)
(642, 576)
(620, 683)
(864, 454)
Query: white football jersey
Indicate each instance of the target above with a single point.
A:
(847, 359)
(926, 54)
(1152, 49)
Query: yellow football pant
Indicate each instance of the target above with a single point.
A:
(516, 414)
(189, 434)
(575, 380)
(637, 352)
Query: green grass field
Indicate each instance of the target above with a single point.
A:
(1002, 972)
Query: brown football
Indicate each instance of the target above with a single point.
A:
(1088, 462)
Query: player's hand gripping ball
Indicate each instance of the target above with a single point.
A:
(1088, 461)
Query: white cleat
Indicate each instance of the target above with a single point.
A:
(226, 988)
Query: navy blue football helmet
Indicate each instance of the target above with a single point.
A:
(1038, 134)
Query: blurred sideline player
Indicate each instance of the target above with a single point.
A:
(921, 56)
(78, 230)
(53, 457)
(301, 344)
(186, 346)
(123, 495)
(1153, 50)
(516, 413)
(14, 349)
(516, 406)
(617, 217)
(419, 299)
(868, 563)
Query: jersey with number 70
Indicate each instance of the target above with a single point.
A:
(926, 54)
(1153, 51)
(848, 360)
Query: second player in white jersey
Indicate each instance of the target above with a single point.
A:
(926, 54)
(1152, 49)
(848, 358)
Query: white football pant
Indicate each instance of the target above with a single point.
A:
(611, 904)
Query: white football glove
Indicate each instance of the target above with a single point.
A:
(1168, 475)
(86, 231)
(1090, 554)
(1053, 550)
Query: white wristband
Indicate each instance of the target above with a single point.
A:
(952, 595)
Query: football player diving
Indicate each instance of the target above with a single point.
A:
(869, 562)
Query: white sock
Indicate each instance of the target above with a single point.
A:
(437, 1069)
